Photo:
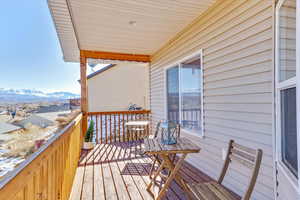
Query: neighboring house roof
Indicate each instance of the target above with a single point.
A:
(100, 71)
(35, 120)
(52, 116)
(6, 127)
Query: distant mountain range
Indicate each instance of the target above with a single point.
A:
(31, 95)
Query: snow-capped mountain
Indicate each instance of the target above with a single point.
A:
(32, 95)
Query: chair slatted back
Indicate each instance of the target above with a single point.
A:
(247, 157)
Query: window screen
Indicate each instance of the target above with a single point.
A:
(289, 129)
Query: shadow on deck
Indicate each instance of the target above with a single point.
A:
(120, 171)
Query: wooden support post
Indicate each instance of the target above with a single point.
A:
(84, 99)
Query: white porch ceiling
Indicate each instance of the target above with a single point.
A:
(123, 26)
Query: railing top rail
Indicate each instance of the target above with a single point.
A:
(120, 112)
(11, 175)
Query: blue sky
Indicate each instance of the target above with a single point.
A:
(30, 54)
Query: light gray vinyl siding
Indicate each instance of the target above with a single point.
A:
(237, 41)
(287, 57)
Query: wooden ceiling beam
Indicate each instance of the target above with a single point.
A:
(115, 56)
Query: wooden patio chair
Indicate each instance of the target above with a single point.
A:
(248, 157)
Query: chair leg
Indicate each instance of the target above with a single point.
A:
(152, 169)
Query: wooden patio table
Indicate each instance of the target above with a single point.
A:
(183, 147)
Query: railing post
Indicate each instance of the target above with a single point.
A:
(84, 98)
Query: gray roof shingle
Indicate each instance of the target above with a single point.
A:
(6, 127)
(35, 120)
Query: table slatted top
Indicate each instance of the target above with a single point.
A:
(183, 145)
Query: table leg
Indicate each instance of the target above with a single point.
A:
(155, 176)
(152, 168)
(179, 180)
(172, 175)
(147, 131)
(156, 159)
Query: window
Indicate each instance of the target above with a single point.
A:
(184, 94)
(286, 86)
(287, 40)
(173, 94)
(289, 129)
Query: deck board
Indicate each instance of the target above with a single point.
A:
(109, 183)
(128, 179)
(98, 182)
(119, 182)
(118, 171)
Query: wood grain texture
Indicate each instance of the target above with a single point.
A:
(183, 145)
(115, 56)
(248, 157)
(121, 172)
(84, 95)
(50, 174)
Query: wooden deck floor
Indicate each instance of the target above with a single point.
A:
(119, 171)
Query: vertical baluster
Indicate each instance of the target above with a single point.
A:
(123, 127)
(115, 132)
(136, 131)
(147, 127)
(184, 115)
(112, 127)
(127, 131)
(199, 118)
(138, 134)
(101, 128)
(97, 141)
(194, 118)
(119, 127)
(110, 133)
(89, 122)
(142, 132)
(133, 133)
(105, 129)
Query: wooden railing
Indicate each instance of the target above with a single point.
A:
(49, 172)
(110, 126)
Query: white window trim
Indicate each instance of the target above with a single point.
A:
(298, 83)
(289, 83)
(178, 63)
